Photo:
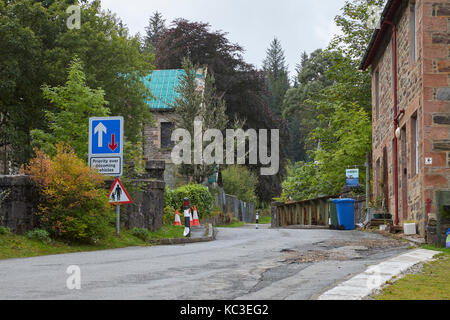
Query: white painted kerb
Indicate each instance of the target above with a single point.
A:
(376, 276)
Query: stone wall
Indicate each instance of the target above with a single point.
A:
(436, 101)
(18, 203)
(19, 200)
(147, 193)
(423, 85)
(409, 99)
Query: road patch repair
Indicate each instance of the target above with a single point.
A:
(339, 250)
(367, 283)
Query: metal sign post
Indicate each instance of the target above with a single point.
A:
(118, 219)
(106, 155)
(118, 195)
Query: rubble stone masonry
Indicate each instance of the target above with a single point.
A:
(424, 96)
(152, 145)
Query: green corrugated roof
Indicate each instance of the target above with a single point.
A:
(162, 85)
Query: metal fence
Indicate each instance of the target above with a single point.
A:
(243, 211)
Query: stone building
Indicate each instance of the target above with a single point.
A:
(409, 61)
(158, 145)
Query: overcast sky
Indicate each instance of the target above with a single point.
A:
(300, 25)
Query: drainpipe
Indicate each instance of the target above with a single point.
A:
(394, 49)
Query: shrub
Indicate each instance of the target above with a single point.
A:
(168, 197)
(240, 182)
(4, 230)
(169, 215)
(39, 234)
(74, 204)
(140, 233)
(198, 195)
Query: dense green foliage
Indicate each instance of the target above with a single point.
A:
(75, 103)
(197, 194)
(302, 114)
(205, 106)
(39, 234)
(4, 230)
(243, 88)
(169, 216)
(240, 182)
(341, 110)
(37, 48)
(277, 78)
(53, 78)
(153, 31)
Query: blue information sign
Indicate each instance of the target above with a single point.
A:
(352, 177)
(106, 145)
(106, 136)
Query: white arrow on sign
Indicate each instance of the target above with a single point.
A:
(100, 129)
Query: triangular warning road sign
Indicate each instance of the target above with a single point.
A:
(117, 194)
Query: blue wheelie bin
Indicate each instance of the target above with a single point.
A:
(345, 213)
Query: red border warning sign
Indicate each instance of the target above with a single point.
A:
(117, 194)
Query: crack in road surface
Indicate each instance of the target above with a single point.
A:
(241, 263)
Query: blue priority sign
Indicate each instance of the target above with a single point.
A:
(106, 145)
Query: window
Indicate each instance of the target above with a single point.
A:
(414, 145)
(412, 30)
(166, 134)
(377, 94)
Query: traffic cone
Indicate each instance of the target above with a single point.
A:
(177, 219)
(191, 222)
(195, 221)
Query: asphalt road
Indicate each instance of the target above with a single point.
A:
(242, 263)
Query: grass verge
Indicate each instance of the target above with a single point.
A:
(19, 246)
(265, 220)
(433, 283)
(234, 224)
(167, 232)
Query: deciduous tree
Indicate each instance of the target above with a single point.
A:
(242, 86)
(73, 105)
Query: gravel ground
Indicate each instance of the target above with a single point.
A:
(339, 250)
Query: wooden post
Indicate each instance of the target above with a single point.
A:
(309, 213)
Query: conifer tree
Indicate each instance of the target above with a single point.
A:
(193, 104)
(276, 71)
(154, 30)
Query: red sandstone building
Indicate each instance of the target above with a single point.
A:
(409, 59)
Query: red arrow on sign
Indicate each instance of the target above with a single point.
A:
(113, 145)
